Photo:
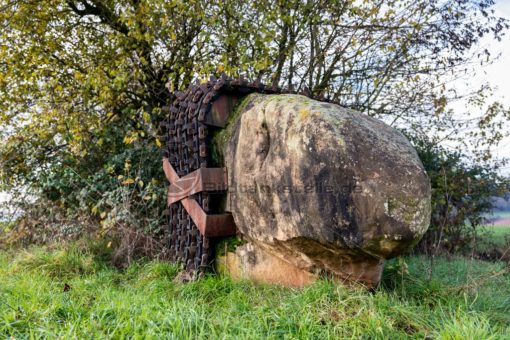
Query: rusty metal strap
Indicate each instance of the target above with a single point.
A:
(203, 179)
(209, 225)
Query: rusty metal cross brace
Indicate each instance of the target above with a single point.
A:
(203, 179)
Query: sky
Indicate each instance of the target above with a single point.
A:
(498, 75)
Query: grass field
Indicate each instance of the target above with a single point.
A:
(499, 230)
(496, 235)
(499, 233)
(463, 300)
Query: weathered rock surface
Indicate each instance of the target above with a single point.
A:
(252, 263)
(322, 188)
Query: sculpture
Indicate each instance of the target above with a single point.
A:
(311, 187)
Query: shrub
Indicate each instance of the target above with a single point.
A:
(462, 195)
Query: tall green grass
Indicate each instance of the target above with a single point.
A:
(72, 292)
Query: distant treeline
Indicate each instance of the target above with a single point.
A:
(502, 203)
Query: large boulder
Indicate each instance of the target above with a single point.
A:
(322, 188)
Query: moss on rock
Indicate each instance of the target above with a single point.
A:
(221, 137)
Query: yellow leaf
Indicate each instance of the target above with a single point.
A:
(158, 142)
(128, 181)
(146, 117)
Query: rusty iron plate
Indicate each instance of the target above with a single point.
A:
(203, 179)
